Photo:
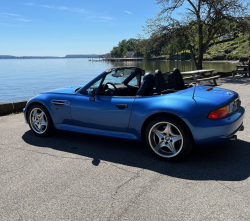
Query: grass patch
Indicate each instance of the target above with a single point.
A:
(230, 50)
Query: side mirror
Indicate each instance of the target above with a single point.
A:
(91, 94)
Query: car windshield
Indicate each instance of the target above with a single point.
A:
(124, 75)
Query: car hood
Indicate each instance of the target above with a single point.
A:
(212, 93)
(65, 90)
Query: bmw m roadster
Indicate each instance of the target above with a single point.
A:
(123, 102)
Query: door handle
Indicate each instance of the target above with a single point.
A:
(122, 106)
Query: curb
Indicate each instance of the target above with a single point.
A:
(9, 108)
(19, 105)
(6, 108)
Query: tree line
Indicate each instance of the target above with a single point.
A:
(201, 24)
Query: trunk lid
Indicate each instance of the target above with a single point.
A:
(217, 94)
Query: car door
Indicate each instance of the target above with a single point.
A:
(104, 112)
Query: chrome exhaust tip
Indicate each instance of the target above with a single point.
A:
(233, 138)
(242, 128)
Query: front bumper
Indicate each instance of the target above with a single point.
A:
(25, 115)
(215, 131)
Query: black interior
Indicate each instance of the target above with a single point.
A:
(147, 85)
(175, 80)
(118, 90)
(160, 83)
(151, 85)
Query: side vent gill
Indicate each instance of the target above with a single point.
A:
(60, 103)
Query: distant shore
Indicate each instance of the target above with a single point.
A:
(53, 57)
(114, 59)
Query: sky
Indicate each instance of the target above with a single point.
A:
(60, 27)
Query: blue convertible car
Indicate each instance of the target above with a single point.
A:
(124, 102)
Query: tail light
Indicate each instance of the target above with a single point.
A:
(219, 113)
(238, 102)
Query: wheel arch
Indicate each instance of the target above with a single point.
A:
(34, 103)
(162, 114)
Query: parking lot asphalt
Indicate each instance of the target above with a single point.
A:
(74, 176)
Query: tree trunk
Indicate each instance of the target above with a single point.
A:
(203, 48)
(199, 63)
(193, 56)
(195, 61)
(200, 56)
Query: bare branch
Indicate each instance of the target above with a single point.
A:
(204, 21)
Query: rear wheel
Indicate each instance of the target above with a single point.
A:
(40, 121)
(168, 138)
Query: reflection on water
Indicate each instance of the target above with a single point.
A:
(166, 66)
(21, 79)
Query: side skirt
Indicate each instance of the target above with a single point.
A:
(97, 132)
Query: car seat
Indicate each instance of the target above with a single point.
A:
(147, 85)
(160, 82)
(175, 80)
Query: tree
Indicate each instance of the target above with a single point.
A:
(127, 45)
(202, 21)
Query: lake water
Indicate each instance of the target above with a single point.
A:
(21, 79)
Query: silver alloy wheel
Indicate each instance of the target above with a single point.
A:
(38, 120)
(165, 139)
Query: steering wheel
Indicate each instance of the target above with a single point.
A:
(106, 86)
(110, 92)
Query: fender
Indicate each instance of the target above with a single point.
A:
(60, 114)
(181, 105)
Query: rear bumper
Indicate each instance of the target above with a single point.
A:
(210, 132)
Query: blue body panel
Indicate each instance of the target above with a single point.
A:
(65, 90)
(209, 131)
(107, 133)
(60, 116)
(101, 115)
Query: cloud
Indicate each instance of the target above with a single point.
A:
(9, 14)
(23, 19)
(10, 17)
(127, 12)
(47, 6)
(92, 15)
(107, 18)
(64, 8)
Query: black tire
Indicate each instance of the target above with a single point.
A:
(179, 130)
(46, 118)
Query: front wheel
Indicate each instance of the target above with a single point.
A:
(40, 121)
(168, 138)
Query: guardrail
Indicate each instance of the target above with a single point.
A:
(10, 108)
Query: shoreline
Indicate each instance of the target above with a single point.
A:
(124, 59)
(217, 61)
(163, 59)
(225, 61)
